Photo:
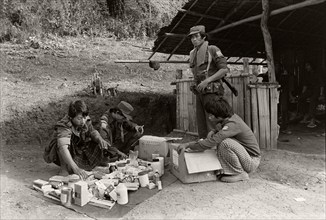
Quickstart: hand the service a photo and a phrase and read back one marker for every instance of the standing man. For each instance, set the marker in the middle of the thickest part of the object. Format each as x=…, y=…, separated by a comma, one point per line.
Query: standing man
x=208, y=66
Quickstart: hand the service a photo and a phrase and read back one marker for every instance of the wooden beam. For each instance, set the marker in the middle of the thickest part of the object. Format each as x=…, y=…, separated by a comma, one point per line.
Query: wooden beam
x=232, y=12
x=254, y=25
x=200, y=15
x=175, y=35
x=147, y=61
x=184, y=15
x=223, y=39
x=174, y=61
x=284, y=19
x=197, y=22
x=268, y=41
x=275, y=12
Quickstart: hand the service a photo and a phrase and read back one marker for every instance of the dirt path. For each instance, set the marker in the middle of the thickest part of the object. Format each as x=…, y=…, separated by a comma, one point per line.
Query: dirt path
x=270, y=193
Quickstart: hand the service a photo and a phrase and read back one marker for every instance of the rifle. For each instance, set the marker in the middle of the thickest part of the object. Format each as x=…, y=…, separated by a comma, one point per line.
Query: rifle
x=232, y=88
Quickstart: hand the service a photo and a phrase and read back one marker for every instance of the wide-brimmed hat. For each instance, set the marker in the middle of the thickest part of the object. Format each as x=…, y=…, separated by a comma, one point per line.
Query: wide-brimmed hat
x=197, y=29
x=125, y=108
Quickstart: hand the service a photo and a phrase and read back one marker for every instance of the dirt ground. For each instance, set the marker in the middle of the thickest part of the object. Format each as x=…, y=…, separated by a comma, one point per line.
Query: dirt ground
x=36, y=87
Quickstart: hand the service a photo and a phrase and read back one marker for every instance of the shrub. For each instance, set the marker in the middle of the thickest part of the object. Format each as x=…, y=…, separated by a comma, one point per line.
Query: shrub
x=138, y=19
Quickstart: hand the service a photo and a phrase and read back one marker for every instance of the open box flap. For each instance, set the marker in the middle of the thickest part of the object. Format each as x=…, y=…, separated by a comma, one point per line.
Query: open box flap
x=202, y=161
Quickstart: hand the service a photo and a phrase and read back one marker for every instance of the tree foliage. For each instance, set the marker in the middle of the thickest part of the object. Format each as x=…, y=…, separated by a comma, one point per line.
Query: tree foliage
x=21, y=19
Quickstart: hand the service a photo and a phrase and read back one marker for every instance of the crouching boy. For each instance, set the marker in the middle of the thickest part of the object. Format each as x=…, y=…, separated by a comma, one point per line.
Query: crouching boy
x=76, y=146
x=236, y=146
x=118, y=128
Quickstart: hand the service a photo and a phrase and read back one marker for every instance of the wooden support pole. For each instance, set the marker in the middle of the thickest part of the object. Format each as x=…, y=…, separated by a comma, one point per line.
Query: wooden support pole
x=268, y=41
x=245, y=65
x=175, y=61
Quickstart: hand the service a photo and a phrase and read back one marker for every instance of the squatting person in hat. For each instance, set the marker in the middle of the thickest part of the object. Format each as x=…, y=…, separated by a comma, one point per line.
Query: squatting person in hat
x=118, y=128
x=236, y=145
x=208, y=66
x=76, y=146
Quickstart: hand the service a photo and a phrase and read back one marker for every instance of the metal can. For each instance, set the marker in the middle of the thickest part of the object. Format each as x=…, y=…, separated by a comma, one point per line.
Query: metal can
x=66, y=196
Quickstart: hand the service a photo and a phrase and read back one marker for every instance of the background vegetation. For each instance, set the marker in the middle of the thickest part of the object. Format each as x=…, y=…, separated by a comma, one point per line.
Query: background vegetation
x=22, y=19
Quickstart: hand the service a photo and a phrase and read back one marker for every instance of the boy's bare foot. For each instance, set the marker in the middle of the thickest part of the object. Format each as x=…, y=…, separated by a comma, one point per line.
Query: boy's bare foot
x=235, y=178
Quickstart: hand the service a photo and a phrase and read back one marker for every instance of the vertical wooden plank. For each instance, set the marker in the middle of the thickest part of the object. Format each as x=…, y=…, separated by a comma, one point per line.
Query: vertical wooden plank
x=192, y=117
x=194, y=109
x=273, y=107
x=267, y=123
x=178, y=106
x=241, y=97
x=254, y=113
x=235, y=103
x=182, y=106
x=245, y=65
x=247, y=100
x=185, y=106
x=261, y=94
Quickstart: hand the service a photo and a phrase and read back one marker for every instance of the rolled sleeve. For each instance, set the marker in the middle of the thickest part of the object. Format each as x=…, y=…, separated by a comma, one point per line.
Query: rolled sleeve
x=63, y=141
x=63, y=137
x=105, y=117
x=218, y=58
x=229, y=130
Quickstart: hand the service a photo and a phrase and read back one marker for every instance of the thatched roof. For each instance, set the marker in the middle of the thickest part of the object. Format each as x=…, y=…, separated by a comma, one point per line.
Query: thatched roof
x=302, y=27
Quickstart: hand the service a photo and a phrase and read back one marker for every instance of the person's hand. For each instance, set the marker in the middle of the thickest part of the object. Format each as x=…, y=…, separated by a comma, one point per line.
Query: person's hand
x=104, y=144
x=202, y=86
x=210, y=134
x=80, y=172
x=182, y=147
x=122, y=155
x=103, y=125
x=140, y=129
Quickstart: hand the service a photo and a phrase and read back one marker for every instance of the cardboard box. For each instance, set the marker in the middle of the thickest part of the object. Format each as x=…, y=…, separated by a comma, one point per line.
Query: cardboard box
x=149, y=145
x=81, y=193
x=194, y=167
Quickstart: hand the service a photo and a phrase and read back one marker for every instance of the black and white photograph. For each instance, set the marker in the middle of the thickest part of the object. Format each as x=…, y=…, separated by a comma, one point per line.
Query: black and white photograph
x=162, y=109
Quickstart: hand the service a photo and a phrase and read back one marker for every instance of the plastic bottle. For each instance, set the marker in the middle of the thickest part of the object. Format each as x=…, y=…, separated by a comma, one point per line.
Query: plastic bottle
x=159, y=185
x=122, y=194
x=161, y=159
x=157, y=166
x=150, y=171
x=156, y=177
x=149, y=168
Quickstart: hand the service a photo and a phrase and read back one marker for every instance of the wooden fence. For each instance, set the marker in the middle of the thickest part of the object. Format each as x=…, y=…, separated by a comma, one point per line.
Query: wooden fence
x=256, y=104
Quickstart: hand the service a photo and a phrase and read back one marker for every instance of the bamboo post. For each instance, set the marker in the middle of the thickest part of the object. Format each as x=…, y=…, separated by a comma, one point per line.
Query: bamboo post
x=247, y=101
x=245, y=65
x=273, y=117
x=254, y=109
x=267, y=41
